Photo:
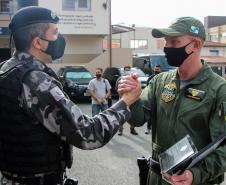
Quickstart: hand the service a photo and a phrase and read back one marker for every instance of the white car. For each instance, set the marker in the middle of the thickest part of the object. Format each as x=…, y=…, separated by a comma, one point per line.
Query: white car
x=141, y=75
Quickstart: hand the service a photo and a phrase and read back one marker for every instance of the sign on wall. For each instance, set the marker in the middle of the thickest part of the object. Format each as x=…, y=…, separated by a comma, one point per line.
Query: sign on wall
x=84, y=17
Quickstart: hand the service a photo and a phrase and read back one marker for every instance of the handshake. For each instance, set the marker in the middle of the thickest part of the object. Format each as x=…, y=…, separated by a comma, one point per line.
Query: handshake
x=129, y=88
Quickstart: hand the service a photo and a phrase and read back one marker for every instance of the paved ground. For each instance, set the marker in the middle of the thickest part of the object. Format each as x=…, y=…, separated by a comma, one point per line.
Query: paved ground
x=115, y=163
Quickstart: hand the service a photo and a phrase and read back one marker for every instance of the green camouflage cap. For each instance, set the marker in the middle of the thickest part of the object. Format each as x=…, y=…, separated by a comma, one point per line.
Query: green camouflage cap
x=182, y=26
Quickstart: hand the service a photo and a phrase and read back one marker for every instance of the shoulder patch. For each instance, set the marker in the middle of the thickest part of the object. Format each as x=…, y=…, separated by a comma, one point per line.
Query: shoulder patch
x=57, y=93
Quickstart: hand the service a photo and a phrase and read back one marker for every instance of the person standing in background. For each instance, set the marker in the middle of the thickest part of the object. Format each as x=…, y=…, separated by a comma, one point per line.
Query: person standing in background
x=100, y=90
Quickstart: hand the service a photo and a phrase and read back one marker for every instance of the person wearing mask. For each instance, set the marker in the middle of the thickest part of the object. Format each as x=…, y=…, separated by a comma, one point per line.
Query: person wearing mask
x=157, y=70
x=189, y=100
x=100, y=90
x=39, y=123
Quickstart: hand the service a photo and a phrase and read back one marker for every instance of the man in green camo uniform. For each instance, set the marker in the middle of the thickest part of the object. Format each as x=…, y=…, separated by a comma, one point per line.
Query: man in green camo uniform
x=190, y=100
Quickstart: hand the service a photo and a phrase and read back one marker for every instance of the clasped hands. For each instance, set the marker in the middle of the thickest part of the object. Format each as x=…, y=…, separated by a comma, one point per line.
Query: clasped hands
x=129, y=89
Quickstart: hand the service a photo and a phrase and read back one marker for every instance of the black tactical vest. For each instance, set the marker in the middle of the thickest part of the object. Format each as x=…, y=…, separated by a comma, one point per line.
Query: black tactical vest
x=26, y=146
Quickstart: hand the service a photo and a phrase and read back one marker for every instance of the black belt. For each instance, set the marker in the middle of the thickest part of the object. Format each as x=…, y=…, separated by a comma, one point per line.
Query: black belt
x=45, y=179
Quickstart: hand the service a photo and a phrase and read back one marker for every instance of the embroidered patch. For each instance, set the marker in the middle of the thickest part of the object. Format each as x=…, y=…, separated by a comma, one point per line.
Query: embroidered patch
x=194, y=30
x=53, y=15
x=57, y=93
x=195, y=94
x=169, y=92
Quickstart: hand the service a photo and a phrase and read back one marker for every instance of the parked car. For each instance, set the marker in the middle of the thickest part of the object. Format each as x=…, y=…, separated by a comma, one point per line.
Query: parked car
x=113, y=73
x=160, y=59
x=143, y=62
x=75, y=80
x=148, y=62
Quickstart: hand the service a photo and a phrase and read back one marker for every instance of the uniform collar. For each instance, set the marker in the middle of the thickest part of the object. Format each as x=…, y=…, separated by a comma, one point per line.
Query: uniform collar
x=22, y=56
x=202, y=75
x=28, y=58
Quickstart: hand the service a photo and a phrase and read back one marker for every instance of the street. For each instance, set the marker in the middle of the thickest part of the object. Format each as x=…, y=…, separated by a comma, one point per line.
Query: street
x=115, y=163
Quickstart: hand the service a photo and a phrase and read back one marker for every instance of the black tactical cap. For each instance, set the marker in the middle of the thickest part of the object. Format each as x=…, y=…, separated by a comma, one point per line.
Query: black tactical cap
x=32, y=15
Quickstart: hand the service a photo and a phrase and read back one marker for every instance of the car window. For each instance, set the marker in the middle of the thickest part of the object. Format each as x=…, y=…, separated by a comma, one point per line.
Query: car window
x=136, y=70
x=160, y=60
x=72, y=75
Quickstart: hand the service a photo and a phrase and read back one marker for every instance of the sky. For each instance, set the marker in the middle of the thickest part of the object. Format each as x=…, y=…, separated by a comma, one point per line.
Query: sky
x=160, y=13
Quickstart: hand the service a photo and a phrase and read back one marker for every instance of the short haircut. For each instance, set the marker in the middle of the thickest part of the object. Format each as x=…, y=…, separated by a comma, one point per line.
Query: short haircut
x=158, y=65
x=23, y=36
x=100, y=69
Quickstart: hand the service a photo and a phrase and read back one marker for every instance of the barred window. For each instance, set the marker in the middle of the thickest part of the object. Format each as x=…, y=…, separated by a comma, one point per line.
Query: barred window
x=82, y=4
x=5, y=6
x=139, y=44
x=76, y=5
x=68, y=5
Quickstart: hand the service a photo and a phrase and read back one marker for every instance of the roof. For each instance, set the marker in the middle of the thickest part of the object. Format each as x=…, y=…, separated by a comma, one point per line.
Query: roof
x=214, y=44
x=117, y=28
x=214, y=59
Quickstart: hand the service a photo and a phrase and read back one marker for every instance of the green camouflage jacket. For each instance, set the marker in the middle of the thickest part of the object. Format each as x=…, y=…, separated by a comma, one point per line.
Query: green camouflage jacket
x=197, y=109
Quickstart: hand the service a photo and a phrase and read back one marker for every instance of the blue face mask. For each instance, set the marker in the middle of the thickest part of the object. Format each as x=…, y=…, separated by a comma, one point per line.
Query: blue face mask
x=176, y=56
x=55, y=48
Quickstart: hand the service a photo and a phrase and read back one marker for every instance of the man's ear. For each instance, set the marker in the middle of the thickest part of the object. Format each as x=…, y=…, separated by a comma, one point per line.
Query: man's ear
x=36, y=43
x=198, y=44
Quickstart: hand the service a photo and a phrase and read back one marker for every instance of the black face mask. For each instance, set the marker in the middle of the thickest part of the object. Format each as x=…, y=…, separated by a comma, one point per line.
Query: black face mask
x=56, y=48
x=176, y=56
x=157, y=72
x=98, y=75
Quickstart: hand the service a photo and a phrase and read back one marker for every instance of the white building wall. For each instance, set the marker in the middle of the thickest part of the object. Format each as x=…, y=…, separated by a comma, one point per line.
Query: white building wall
x=206, y=51
x=93, y=22
x=80, y=44
x=141, y=33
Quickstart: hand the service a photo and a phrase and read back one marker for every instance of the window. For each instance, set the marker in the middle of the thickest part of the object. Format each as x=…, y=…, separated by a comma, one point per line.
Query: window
x=68, y=5
x=224, y=34
x=82, y=4
x=214, y=52
x=75, y=75
x=214, y=37
x=116, y=43
x=76, y=5
x=5, y=6
x=139, y=44
x=160, y=43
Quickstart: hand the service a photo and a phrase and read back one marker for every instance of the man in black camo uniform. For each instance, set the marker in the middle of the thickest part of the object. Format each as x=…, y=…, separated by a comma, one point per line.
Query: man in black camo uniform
x=39, y=123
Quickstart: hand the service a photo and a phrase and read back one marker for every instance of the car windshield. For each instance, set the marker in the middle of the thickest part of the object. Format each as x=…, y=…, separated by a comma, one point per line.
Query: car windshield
x=72, y=75
x=133, y=70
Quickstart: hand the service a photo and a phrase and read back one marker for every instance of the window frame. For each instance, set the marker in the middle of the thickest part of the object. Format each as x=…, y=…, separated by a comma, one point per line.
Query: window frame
x=74, y=5
x=140, y=44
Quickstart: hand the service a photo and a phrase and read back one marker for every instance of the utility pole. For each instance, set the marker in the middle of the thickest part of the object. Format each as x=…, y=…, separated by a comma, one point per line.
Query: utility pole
x=134, y=36
x=107, y=5
x=110, y=35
